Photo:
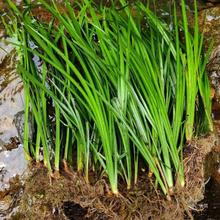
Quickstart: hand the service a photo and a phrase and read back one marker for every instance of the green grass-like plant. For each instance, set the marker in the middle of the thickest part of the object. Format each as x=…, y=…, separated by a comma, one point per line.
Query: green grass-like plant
x=121, y=85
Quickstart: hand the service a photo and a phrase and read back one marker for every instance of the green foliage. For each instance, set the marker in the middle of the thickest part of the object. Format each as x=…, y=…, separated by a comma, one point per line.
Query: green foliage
x=118, y=88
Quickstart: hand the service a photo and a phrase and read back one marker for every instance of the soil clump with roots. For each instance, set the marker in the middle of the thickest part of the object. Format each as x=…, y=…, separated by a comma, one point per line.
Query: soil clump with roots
x=70, y=197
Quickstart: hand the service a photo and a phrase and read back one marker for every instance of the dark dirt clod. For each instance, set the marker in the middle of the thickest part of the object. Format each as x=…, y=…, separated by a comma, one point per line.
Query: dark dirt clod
x=74, y=211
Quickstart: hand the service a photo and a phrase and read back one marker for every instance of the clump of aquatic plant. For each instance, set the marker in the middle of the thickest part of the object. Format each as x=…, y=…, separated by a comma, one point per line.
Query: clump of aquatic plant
x=119, y=84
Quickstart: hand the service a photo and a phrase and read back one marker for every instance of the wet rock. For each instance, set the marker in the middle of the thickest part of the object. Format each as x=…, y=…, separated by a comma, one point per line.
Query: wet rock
x=14, y=143
x=214, y=61
x=213, y=68
x=9, y=199
x=2, y=145
x=209, y=20
x=5, y=203
x=210, y=26
x=12, y=160
x=7, y=49
x=19, y=124
x=11, y=97
x=12, y=163
x=12, y=166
